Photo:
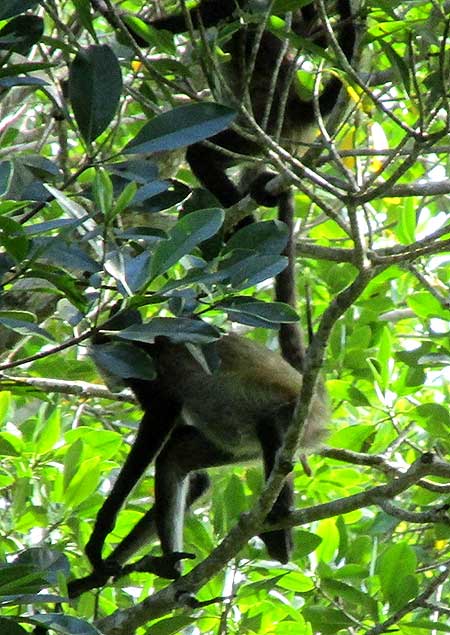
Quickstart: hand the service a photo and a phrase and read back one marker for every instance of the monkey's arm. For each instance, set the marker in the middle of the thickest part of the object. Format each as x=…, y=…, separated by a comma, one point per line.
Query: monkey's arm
x=152, y=433
x=208, y=13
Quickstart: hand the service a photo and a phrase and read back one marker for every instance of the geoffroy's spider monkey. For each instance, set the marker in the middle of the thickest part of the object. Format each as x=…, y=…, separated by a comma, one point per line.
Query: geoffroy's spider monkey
x=194, y=419
x=249, y=50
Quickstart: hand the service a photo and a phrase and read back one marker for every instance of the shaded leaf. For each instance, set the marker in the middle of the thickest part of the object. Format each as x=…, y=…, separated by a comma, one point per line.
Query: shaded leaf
x=10, y=627
x=95, y=86
x=266, y=237
x=177, y=329
x=190, y=231
x=21, y=33
x=181, y=127
x=123, y=360
x=25, y=328
x=9, y=8
x=65, y=624
x=255, y=313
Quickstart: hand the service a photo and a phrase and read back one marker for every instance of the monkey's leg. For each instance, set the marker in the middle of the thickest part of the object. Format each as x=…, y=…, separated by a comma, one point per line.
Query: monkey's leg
x=186, y=451
x=145, y=529
x=279, y=541
x=152, y=433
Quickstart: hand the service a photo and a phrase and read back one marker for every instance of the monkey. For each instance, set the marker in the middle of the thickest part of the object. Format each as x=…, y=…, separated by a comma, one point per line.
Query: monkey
x=210, y=163
x=197, y=417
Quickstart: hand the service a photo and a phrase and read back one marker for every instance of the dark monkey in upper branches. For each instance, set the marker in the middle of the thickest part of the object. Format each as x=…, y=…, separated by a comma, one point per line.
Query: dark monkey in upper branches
x=298, y=115
x=271, y=94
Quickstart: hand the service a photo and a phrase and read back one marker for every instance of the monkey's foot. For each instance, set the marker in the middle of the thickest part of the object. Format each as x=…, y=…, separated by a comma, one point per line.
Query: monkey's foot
x=167, y=566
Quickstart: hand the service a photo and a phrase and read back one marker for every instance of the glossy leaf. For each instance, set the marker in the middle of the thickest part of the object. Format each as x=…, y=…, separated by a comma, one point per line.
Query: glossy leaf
x=189, y=232
x=123, y=360
x=177, y=329
x=95, y=87
x=181, y=127
x=21, y=33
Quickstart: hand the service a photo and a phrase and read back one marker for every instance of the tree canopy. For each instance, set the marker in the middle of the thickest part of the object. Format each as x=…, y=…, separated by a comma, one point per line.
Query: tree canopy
x=98, y=209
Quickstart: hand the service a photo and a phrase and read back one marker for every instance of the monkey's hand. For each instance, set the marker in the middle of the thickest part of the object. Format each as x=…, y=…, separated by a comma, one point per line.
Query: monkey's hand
x=258, y=190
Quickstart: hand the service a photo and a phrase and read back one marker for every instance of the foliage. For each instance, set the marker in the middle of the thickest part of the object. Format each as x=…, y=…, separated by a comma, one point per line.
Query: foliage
x=91, y=191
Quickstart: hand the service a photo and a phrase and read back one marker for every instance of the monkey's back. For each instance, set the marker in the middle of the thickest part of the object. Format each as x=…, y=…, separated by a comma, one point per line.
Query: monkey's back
x=252, y=386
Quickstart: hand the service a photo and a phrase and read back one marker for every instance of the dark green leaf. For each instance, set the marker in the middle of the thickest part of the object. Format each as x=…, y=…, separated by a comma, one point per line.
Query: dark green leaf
x=245, y=269
x=10, y=627
x=177, y=329
x=21, y=33
x=5, y=175
x=57, y=251
x=255, y=313
x=19, y=578
x=64, y=624
x=10, y=8
x=95, y=86
x=181, y=127
x=13, y=238
x=9, y=82
x=190, y=231
x=48, y=561
x=25, y=328
x=326, y=620
x=131, y=273
x=269, y=237
x=124, y=360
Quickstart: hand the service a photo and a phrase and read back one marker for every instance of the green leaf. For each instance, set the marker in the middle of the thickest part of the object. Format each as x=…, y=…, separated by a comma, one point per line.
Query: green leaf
x=177, y=329
x=190, y=231
x=13, y=239
x=426, y=305
x=25, y=328
x=95, y=86
x=326, y=620
x=245, y=310
x=102, y=190
x=47, y=432
x=305, y=542
x=84, y=483
x=9, y=8
x=396, y=568
x=72, y=459
x=64, y=624
x=266, y=237
x=123, y=360
x=10, y=627
x=171, y=625
x=407, y=219
x=397, y=62
x=181, y=127
x=21, y=33
x=341, y=590
x=296, y=581
x=235, y=500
